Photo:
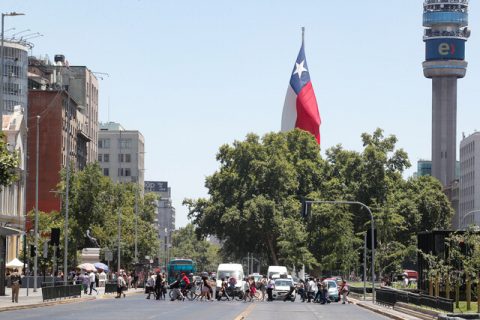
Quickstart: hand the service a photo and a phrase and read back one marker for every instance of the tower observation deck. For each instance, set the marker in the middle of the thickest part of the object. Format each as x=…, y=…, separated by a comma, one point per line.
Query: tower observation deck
x=445, y=34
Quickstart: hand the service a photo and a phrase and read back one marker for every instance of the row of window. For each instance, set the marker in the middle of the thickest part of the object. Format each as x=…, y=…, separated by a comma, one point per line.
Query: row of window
x=122, y=172
x=468, y=148
x=122, y=157
x=123, y=143
x=468, y=163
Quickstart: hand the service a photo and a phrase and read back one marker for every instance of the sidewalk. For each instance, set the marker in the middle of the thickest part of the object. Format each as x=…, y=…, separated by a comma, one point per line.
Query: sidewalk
x=383, y=310
x=35, y=300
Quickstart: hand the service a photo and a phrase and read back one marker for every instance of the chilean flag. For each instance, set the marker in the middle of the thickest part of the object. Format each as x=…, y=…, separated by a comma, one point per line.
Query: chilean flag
x=301, y=109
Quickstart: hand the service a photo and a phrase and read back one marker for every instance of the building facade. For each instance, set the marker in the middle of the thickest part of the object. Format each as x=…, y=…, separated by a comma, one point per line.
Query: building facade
x=15, y=79
x=60, y=138
x=82, y=85
x=469, y=207
x=121, y=153
x=165, y=209
x=12, y=197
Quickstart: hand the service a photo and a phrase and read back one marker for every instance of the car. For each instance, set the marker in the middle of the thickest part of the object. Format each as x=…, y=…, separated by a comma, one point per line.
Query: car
x=282, y=287
x=333, y=294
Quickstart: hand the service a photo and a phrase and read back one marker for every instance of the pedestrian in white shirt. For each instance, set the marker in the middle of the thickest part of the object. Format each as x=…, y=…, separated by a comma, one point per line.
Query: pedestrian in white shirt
x=91, y=275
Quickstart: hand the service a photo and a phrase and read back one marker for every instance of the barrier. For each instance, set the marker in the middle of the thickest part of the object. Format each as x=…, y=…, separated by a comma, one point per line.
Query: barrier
x=54, y=293
x=391, y=296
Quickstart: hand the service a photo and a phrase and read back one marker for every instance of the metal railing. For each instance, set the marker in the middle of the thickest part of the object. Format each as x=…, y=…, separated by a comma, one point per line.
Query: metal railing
x=391, y=296
x=54, y=293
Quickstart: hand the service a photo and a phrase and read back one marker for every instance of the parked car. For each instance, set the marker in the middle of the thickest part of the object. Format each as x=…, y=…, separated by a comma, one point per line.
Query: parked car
x=333, y=293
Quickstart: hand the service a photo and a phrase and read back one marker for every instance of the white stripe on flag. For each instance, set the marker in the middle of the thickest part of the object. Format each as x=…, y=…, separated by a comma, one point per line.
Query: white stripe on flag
x=289, y=115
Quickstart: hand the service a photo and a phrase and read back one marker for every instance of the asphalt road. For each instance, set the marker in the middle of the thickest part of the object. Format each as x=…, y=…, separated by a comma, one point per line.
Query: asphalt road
x=137, y=307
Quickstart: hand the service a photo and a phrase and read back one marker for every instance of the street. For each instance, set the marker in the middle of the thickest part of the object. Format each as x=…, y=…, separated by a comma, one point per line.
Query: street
x=137, y=307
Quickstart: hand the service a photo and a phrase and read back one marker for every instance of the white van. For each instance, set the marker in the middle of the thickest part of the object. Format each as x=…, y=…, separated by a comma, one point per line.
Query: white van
x=228, y=270
x=277, y=272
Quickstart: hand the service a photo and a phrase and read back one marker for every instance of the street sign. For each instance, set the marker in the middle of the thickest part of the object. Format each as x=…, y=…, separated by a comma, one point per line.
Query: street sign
x=108, y=255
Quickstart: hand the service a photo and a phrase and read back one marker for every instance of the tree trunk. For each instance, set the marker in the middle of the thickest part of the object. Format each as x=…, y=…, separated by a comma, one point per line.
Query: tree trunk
x=478, y=292
x=272, y=250
x=468, y=292
x=447, y=286
x=457, y=293
x=430, y=286
x=437, y=285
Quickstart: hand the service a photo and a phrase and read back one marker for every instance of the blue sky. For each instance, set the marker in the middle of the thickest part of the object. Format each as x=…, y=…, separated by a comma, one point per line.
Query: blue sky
x=193, y=75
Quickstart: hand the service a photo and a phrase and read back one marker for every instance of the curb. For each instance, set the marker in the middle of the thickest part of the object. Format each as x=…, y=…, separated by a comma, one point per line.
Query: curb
x=45, y=304
x=376, y=310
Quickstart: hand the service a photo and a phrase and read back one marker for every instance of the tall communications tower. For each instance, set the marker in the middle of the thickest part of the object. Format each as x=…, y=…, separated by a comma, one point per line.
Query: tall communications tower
x=446, y=32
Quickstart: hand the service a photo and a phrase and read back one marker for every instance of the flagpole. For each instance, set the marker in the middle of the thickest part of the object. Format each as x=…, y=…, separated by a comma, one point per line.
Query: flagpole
x=303, y=35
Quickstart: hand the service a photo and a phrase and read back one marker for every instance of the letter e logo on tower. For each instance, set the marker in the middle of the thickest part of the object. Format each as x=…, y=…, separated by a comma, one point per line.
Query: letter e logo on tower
x=443, y=48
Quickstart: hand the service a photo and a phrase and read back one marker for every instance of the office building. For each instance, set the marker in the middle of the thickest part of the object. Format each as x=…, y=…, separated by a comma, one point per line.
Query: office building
x=121, y=153
x=469, y=207
x=15, y=78
x=165, y=210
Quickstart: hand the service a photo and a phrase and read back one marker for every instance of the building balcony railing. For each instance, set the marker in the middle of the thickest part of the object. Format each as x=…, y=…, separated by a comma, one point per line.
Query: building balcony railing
x=461, y=34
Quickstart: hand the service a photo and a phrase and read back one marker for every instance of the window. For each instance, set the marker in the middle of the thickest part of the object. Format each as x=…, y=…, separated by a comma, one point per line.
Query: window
x=120, y=172
x=106, y=172
x=104, y=143
x=128, y=172
x=99, y=158
x=125, y=143
x=128, y=157
x=106, y=157
x=120, y=157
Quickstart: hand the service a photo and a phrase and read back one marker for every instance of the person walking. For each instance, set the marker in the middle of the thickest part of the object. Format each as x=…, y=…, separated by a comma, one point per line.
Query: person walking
x=85, y=282
x=16, y=281
x=92, y=279
x=158, y=286
x=270, y=287
x=344, y=291
x=121, y=284
x=311, y=288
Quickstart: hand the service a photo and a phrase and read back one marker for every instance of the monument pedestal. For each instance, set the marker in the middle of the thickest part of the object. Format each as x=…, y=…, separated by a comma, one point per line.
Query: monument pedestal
x=90, y=255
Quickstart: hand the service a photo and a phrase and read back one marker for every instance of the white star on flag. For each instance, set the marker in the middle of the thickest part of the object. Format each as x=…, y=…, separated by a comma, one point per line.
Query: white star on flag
x=299, y=69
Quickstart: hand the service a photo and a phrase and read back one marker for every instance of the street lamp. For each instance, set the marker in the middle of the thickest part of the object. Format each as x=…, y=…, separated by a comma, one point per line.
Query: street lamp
x=35, y=270
x=2, y=62
x=466, y=215
x=372, y=238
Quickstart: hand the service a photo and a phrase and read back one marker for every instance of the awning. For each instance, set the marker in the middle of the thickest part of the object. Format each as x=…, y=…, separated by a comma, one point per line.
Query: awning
x=7, y=231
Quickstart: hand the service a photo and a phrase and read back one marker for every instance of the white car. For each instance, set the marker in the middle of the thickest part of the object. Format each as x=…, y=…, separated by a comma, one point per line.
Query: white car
x=282, y=287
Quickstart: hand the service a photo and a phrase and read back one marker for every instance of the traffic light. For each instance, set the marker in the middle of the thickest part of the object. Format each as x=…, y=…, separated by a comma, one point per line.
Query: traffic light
x=55, y=236
x=33, y=251
x=306, y=208
x=369, y=238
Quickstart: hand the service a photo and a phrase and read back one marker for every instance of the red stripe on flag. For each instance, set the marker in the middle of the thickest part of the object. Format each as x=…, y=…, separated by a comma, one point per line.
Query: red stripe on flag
x=308, y=117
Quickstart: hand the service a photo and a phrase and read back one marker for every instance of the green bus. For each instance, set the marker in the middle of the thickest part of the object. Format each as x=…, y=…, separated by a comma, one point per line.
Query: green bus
x=177, y=266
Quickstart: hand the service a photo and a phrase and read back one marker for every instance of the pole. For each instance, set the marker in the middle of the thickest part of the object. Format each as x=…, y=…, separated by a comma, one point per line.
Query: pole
x=136, y=224
x=120, y=207
x=365, y=267
x=2, y=61
x=67, y=194
x=35, y=259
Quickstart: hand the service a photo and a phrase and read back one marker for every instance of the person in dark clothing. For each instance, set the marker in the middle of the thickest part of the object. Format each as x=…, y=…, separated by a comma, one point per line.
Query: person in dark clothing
x=158, y=286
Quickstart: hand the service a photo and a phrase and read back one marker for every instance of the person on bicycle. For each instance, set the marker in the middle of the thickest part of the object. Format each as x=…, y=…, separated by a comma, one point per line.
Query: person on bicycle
x=232, y=282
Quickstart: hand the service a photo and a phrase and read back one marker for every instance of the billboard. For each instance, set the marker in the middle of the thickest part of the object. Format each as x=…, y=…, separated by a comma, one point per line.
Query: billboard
x=156, y=186
x=445, y=49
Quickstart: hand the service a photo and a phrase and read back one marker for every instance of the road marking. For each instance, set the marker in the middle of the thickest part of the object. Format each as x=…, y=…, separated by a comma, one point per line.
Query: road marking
x=245, y=313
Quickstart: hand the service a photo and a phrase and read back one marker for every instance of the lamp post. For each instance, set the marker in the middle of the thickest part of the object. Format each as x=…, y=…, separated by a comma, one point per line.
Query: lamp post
x=2, y=60
x=35, y=261
x=466, y=215
x=372, y=223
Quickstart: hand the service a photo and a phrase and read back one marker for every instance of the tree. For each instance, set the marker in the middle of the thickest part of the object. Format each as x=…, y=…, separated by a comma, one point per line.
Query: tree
x=8, y=163
x=257, y=188
x=186, y=244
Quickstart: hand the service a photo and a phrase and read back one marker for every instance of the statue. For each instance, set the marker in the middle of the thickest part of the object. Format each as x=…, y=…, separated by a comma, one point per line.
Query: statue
x=90, y=241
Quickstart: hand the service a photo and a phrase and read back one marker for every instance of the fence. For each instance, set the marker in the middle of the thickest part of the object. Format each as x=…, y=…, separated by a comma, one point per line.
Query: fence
x=391, y=296
x=53, y=293
x=359, y=290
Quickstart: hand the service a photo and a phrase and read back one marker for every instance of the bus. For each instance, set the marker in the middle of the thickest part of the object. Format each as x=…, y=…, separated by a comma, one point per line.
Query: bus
x=177, y=266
